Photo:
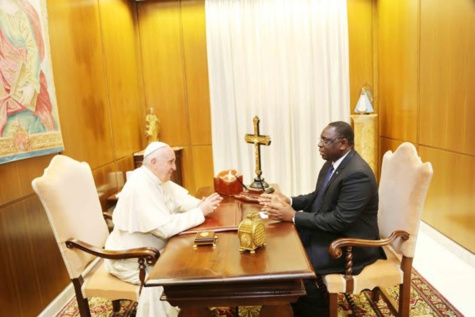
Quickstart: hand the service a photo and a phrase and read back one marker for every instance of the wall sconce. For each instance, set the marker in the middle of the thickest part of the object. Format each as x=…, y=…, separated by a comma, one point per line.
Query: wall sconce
x=364, y=102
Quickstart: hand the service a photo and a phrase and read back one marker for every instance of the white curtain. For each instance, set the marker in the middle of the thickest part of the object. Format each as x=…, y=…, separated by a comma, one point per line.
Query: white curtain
x=285, y=61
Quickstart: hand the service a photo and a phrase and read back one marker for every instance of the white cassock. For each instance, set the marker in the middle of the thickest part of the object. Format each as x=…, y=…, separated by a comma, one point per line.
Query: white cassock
x=147, y=214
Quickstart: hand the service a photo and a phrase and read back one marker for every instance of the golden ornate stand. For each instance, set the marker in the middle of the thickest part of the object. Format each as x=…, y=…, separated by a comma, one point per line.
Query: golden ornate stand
x=366, y=138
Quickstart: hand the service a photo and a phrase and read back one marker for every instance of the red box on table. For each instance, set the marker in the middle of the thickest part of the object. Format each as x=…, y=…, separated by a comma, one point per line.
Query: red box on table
x=228, y=182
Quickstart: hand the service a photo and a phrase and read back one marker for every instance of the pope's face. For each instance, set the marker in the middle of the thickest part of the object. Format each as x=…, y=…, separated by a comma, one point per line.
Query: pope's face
x=163, y=165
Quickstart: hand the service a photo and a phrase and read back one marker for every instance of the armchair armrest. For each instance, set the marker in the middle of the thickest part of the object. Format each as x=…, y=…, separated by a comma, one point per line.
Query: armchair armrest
x=151, y=255
x=335, y=248
x=148, y=254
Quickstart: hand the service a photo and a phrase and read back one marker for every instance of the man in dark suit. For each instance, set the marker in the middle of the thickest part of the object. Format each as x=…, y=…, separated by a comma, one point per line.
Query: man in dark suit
x=344, y=204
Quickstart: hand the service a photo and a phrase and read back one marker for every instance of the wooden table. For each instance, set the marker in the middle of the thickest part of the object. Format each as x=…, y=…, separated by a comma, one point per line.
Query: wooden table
x=208, y=276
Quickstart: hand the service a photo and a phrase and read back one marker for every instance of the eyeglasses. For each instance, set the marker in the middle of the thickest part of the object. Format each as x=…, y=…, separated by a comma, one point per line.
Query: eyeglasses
x=327, y=141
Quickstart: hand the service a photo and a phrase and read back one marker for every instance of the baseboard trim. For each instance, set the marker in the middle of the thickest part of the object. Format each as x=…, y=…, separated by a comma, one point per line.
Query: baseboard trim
x=59, y=302
x=456, y=249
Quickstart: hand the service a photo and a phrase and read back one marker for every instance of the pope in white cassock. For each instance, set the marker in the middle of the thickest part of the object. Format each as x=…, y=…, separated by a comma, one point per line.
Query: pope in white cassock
x=150, y=210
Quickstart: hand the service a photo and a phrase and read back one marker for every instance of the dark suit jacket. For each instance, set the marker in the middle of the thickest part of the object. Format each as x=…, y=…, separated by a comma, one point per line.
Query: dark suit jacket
x=349, y=209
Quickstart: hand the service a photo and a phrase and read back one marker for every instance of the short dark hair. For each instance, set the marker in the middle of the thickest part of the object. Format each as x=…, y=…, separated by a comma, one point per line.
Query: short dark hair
x=344, y=130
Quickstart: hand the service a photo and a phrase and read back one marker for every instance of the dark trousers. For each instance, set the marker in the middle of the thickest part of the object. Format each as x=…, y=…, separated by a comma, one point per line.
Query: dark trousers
x=314, y=304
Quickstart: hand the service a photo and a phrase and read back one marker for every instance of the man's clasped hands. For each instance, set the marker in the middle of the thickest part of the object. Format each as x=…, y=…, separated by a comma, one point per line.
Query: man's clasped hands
x=276, y=206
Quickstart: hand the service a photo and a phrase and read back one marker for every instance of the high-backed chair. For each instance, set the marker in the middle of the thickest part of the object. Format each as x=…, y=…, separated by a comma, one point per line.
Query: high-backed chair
x=69, y=197
x=402, y=191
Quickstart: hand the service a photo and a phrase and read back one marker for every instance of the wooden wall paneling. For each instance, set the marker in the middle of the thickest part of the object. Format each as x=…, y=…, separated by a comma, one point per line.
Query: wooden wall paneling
x=10, y=299
x=84, y=83
x=196, y=70
x=31, y=268
x=127, y=107
x=361, y=45
x=188, y=169
x=448, y=75
x=446, y=112
x=398, y=68
x=45, y=254
x=108, y=180
x=79, y=75
x=17, y=176
x=163, y=68
x=203, y=167
x=126, y=164
x=387, y=145
x=450, y=200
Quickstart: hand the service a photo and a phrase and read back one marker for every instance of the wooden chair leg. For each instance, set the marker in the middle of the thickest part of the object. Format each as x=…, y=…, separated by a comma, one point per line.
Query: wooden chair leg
x=353, y=307
x=333, y=304
x=375, y=294
x=404, y=299
x=83, y=306
x=116, y=305
x=405, y=288
x=373, y=297
x=83, y=303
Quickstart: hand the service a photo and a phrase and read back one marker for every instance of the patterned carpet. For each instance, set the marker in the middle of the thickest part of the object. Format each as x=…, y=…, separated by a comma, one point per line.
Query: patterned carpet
x=425, y=301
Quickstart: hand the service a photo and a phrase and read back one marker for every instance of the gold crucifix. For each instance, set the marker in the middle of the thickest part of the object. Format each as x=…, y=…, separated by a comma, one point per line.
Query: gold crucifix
x=258, y=140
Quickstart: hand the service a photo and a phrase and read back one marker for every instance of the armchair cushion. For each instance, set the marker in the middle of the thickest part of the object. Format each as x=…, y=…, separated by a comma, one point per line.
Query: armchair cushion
x=100, y=283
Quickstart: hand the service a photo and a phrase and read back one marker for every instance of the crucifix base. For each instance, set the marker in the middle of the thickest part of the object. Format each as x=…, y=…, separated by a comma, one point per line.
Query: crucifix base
x=259, y=183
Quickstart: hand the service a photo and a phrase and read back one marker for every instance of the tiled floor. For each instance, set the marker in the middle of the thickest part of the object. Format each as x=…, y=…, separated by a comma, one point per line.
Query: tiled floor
x=448, y=267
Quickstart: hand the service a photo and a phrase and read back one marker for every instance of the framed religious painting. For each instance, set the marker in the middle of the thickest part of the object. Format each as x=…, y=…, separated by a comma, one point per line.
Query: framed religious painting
x=29, y=123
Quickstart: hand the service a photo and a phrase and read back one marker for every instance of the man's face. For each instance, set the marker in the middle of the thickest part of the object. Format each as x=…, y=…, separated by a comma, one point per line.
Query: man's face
x=163, y=165
x=330, y=144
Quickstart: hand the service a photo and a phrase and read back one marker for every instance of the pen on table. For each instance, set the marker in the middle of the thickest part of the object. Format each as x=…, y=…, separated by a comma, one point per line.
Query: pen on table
x=241, y=182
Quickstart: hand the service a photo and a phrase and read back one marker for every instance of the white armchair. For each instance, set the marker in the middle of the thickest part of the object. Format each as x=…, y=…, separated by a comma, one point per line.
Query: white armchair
x=68, y=195
x=402, y=191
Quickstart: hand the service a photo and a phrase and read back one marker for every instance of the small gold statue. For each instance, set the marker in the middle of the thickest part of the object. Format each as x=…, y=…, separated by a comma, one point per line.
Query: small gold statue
x=251, y=233
x=152, y=126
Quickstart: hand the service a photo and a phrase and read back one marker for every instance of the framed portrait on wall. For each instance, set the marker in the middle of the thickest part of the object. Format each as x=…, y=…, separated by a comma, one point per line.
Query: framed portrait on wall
x=29, y=123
